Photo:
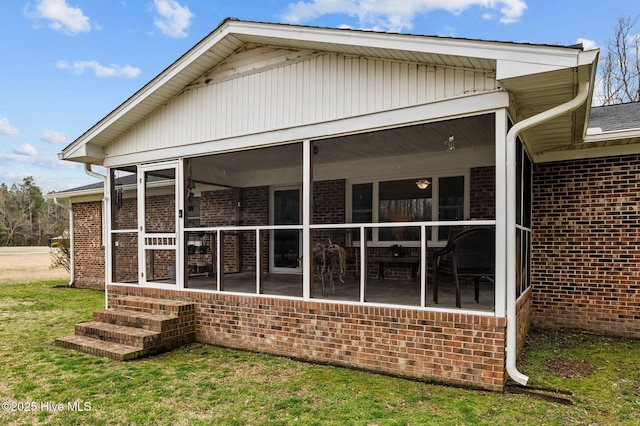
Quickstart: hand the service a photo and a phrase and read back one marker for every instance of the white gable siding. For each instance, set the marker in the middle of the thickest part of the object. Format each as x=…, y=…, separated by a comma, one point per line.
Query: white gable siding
x=263, y=90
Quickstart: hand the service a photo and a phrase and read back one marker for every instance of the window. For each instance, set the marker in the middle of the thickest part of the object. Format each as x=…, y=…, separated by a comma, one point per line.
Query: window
x=403, y=201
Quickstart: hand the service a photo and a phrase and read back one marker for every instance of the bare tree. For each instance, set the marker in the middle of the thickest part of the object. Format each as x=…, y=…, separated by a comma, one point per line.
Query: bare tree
x=15, y=217
x=620, y=65
x=26, y=218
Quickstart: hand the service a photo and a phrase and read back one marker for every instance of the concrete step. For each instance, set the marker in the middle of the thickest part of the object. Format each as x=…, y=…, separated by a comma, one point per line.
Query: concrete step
x=151, y=305
x=137, y=319
x=101, y=348
x=128, y=336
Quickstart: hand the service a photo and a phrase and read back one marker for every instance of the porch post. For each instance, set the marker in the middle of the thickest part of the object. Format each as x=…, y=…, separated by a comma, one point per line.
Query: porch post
x=501, y=214
x=307, y=194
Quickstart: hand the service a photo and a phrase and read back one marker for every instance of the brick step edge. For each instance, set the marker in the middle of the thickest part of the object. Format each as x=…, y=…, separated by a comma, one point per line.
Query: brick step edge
x=129, y=336
x=101, y=348
x=151, y=305
x=137, y=319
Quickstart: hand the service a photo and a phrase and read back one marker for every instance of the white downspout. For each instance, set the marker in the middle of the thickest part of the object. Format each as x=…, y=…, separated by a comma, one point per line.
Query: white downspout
x=71, y=241
x=105, y=200
x=581, y=97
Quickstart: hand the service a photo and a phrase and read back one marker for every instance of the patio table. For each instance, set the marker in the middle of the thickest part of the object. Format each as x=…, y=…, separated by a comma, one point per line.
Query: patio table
x=414, y=261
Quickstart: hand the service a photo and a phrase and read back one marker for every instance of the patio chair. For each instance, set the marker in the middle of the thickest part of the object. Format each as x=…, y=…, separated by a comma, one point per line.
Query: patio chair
x=470, y=253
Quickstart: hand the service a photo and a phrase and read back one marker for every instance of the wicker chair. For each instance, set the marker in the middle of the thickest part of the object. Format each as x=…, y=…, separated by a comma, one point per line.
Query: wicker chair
x=470, y=253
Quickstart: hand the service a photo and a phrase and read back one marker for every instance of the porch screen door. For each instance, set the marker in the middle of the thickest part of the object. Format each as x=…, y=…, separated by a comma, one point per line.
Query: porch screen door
x=159, y=212
x=286, y=243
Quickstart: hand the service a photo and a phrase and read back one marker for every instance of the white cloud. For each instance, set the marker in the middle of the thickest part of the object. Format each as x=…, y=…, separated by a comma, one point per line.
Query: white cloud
x=54, y=137
x=100, y=70
x=511, y=11
x=27, y=150
x=397, y=16
x=27, y=154
x=62, y=17
x=6, y=129
x=587, y=44
x=174, y=18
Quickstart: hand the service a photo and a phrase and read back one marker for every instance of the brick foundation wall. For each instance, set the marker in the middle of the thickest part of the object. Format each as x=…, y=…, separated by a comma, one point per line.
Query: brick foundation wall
x=458, y=349
x=586, y=233
x=88, y=251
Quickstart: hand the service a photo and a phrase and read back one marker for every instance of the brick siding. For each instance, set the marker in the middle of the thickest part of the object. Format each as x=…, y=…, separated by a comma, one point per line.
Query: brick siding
x=482, y=193
x=586, y=234
x=523, y=318
x=88, y=251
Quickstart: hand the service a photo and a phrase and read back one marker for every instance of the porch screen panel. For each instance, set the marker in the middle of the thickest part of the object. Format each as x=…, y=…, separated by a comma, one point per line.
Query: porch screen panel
x=362, y=207
x=161, y=265
x=124, y=199
x=159, y=205
x=527, y=190
x=523, y=219
x=123, y=224
x=124, y=257
x=201, y=259
x=451, y=202
x=286, y=211
x=403, y=201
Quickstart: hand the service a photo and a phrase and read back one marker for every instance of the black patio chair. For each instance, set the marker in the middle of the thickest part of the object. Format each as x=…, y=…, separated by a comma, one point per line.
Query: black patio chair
x=470, y=253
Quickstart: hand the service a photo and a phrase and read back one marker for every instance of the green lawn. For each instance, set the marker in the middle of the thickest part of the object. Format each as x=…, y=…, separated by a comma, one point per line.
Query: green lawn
x=202, y=384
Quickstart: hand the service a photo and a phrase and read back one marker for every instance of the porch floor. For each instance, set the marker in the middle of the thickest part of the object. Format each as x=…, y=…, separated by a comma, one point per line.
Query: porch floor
x=395, y=292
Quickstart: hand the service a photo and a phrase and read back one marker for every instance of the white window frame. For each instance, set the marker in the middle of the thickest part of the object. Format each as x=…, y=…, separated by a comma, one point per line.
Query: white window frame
x=434, y=177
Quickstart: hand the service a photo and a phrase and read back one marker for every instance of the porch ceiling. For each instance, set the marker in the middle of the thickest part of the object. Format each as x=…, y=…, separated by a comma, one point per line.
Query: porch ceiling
x=469, y=132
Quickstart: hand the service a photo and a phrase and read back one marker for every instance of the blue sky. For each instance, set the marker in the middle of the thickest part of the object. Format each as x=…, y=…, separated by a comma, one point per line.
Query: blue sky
x=68, y=63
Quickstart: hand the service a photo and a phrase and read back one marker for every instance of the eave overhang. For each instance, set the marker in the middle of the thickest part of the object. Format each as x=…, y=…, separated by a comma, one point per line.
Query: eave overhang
x=532, y=94
x=77, y=195
x=603, y=144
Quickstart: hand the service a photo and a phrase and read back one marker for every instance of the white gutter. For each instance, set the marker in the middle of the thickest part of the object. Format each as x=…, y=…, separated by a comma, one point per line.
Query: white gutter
x=105, y=201
x=71, y=241
x=581, y=97
x=87, y=170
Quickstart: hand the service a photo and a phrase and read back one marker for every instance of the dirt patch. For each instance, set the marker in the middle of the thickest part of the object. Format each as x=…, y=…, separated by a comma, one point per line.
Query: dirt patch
x=22, y=264
x=570, y=369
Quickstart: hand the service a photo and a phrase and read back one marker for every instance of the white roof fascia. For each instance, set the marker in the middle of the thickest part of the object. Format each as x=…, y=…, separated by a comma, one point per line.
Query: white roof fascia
x=87, y=151
x=611, y=135
x=496, y=50
x=93, y=194
x=587, y=152
x=507, y=68
x=512, y=69
x=163, y=78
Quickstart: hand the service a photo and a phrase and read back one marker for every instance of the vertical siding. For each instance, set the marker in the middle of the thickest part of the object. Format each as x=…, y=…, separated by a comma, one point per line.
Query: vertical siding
x=310, y=90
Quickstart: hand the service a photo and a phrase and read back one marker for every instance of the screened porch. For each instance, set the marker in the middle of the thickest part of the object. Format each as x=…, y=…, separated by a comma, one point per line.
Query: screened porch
x=369, y=210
